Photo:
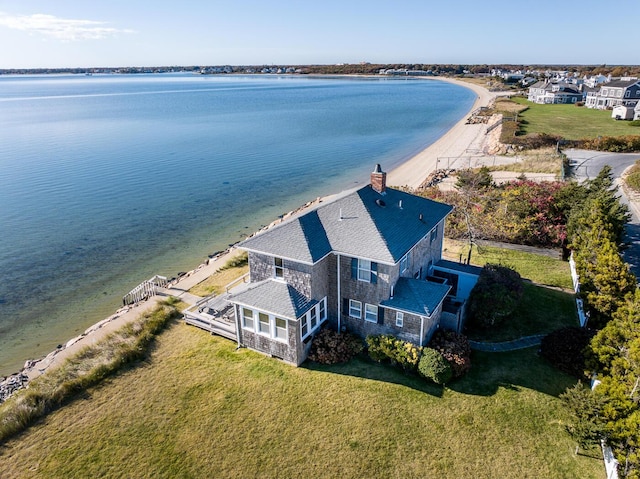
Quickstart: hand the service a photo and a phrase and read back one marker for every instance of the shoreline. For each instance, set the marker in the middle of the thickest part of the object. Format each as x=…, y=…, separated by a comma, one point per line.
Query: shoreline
x=411, y=173
x=453, y=144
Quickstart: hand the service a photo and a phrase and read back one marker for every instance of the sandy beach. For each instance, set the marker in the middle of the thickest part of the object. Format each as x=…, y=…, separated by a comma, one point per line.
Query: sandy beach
x=458, y=142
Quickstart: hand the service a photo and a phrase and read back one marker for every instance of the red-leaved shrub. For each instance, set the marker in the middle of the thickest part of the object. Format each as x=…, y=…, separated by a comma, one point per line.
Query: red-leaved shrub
x=331, y=347
x=454, y=348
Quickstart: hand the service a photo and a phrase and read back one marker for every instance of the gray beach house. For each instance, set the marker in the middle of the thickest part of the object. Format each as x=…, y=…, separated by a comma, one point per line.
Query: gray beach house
x=368, y=262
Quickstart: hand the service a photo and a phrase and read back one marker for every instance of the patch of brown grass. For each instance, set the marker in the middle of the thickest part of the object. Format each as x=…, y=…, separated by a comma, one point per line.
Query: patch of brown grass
x=544, y=160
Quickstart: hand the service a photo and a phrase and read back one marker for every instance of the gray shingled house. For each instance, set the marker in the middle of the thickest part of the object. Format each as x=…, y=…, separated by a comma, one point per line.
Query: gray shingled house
x=363, y=262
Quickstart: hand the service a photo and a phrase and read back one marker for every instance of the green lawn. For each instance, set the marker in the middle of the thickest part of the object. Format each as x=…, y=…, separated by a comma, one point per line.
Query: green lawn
x=571, y=122
x=198, y=408
x=537, y=268
x=541, y=310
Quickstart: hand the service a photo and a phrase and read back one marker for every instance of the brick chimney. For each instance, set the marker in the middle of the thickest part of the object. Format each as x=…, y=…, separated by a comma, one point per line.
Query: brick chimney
x=379, y=180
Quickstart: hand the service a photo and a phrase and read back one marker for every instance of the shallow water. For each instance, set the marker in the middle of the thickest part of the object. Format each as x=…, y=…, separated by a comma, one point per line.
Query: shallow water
x=109, y=179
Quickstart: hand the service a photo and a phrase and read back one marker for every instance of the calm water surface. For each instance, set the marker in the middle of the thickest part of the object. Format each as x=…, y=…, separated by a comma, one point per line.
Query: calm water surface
x=108, y=180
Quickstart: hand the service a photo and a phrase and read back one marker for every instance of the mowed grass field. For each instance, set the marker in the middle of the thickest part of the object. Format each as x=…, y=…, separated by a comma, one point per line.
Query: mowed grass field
x=199, y=408
x=571, y=122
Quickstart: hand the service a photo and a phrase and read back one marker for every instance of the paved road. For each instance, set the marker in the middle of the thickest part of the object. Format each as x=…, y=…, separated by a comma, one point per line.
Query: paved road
x=586, y=164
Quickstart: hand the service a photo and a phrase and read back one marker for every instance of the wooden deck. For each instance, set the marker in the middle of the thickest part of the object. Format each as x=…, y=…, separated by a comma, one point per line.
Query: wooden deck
x=213, y=314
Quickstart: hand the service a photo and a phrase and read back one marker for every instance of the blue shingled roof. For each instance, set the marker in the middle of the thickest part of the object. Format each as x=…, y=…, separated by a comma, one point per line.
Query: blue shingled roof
x=417, y=296
x=276, y=297
x=364, y=224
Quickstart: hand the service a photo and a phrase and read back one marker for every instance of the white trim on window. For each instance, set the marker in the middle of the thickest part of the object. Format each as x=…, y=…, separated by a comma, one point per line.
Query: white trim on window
x=311, y=321
x=399, y=319
x=280, y=329
x=364, y=270
x=404, y=263
x=265, y=324
x=434, y=234
x=355, y=309
x=247, y=319
x=278, y=267
x=370, y=313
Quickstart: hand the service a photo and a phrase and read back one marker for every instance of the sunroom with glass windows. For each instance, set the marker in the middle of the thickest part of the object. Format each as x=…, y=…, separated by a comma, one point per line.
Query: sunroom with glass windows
x=276, y=319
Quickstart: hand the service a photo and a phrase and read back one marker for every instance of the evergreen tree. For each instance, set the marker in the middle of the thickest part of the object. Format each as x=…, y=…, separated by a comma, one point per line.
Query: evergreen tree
x=615, y=356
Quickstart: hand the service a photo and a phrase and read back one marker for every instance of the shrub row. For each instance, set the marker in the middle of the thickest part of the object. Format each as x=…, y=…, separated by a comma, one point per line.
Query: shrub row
x=448, y=355
x=386, y=347
x=619, y=144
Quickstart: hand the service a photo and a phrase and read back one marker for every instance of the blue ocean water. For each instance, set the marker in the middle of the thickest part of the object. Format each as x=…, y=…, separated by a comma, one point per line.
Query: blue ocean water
x=109, y=179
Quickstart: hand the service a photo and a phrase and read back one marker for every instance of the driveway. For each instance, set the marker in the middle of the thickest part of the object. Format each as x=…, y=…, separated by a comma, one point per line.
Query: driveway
x=586, y=164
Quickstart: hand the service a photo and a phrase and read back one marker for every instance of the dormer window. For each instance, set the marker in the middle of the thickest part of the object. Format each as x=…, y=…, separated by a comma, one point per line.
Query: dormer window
x=278, y=267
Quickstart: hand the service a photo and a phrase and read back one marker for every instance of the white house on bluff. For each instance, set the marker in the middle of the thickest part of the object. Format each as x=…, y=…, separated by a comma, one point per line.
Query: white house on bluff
x=369, y=262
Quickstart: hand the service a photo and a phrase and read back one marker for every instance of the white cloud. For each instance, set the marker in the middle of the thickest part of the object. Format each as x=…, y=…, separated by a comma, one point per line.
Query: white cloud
x=61, y=28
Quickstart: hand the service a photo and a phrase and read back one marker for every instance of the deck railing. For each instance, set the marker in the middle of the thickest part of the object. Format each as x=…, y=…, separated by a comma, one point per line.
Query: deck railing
x=241, y=279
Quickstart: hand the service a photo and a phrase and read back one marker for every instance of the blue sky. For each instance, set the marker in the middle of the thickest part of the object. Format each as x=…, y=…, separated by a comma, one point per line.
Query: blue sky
x=81, y=33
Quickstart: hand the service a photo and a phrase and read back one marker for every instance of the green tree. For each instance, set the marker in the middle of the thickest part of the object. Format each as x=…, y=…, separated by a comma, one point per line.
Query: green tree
x=586, y=407
x=607, y=284
x=615, y=357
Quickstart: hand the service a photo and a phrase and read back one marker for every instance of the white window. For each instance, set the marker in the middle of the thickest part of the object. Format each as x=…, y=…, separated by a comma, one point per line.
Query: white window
x=266, y=324
x=312, y=320
x=247, y=318
x=404, y=263
x=371, y=313
x=399, y=318
x=434, y=234
x=281, y=328
x=278, y=267
x=364, y=270
x=355, y=309
x=263, y=323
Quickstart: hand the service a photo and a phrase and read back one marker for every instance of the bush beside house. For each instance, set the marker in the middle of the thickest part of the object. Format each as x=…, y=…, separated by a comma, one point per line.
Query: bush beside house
x=434, y=366
x=494, y=297
x=455, y=349
x=332, y=347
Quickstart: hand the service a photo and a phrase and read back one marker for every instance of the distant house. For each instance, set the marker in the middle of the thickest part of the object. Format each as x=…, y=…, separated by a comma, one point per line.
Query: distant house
x=554, y=92
x=368, y=262
x=614, y=93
